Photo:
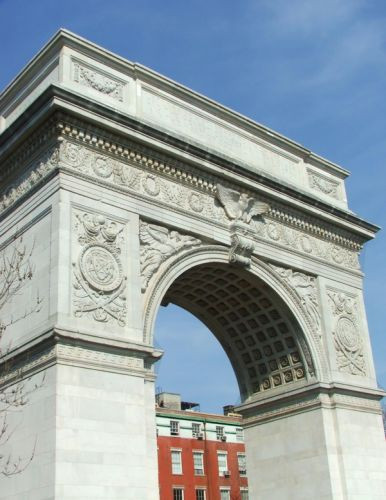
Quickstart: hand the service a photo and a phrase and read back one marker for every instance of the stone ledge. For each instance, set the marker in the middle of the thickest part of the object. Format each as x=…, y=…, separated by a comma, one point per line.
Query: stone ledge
x=67, y=348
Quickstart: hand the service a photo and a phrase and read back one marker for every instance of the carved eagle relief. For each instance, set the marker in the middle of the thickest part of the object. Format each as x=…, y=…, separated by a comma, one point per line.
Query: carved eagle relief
x=240, y=206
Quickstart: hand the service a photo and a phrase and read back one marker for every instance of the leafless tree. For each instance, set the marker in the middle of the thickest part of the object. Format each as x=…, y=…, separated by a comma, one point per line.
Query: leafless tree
x=16, y=270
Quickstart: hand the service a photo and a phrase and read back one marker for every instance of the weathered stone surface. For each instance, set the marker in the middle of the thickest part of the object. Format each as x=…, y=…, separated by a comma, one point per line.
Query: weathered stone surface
x=244, y=228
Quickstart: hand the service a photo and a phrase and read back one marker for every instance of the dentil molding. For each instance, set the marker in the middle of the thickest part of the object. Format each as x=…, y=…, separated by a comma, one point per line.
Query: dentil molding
x=133, y=168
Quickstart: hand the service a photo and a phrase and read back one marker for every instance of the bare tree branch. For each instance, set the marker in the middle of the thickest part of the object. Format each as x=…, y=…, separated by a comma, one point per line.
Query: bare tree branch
x=16, y=270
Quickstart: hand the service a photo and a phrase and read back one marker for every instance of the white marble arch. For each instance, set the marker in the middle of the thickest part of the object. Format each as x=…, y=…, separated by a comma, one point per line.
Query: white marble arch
x=101, y=157
x=211, y=254
x=302, y=418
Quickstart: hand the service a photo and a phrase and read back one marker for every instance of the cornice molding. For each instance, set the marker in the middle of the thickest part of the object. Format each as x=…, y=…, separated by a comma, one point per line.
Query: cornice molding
x=66, y=39
x=310, y=398
x=68, y=350
x=126, y=152
x=57, y=98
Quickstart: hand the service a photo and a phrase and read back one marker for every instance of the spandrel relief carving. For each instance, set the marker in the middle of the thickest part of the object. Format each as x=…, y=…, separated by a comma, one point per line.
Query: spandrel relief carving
x=157, y=245
x=305, y=288
x=347, y=338
x=99, y=286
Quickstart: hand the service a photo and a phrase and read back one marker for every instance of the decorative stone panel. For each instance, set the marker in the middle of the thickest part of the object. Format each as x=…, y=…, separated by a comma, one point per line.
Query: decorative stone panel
x=97, y=80
x=323, y=184
x=99, y=279
x=348, y=342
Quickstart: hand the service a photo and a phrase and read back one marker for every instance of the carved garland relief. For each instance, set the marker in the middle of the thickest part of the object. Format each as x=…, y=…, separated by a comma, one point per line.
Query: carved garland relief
x=37, y=171
x=323, y=184
x=97, y=80
x=99, y=285
x=201, y=201
x=347, y=338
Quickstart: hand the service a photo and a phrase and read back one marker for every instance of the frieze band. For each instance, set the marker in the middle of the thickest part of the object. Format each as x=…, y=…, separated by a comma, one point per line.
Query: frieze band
x=186, y=192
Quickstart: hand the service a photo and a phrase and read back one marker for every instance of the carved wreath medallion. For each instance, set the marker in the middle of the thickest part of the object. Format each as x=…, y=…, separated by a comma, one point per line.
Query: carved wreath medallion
x=99, y=281
x=100, y=268
x=347, y=339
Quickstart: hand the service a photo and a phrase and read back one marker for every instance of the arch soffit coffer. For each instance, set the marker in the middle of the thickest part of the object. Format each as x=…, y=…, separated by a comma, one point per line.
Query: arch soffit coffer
x=301, y=325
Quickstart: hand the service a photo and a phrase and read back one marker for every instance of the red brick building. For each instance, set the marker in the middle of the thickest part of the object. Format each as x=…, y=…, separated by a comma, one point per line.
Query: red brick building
x=200, y=456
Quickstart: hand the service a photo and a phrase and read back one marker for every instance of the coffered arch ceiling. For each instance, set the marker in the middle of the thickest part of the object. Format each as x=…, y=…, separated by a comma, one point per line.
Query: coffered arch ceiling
x=257, y=330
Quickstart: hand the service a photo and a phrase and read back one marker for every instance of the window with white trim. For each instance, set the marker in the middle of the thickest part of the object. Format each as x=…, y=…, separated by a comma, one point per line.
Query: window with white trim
x=198, y=462
x=174, y=428
x=244, y=494
x=196, y=429
x=219, y=432
x=239, y=435
x=242, y=464
x=222, y=460
x=200, y=494
x=176, y=462
x=225, y=494
x=178, y=494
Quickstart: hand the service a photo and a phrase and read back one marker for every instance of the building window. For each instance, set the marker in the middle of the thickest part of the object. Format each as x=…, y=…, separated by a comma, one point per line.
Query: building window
x=198, y=461
x=176, y=462
x=222, y=463
x=219, y=432
x=242, y=464
x=244, y=495
x=239, y=434
x=225, y=494
x=174, y=428
x=196, y=430
x=200, y=494
x=178, y=494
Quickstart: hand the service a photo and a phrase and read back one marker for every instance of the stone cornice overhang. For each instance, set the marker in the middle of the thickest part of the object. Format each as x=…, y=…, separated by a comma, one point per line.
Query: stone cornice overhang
x=66, y=39
x=57, y=100
x=102, y=353
x=311, y=397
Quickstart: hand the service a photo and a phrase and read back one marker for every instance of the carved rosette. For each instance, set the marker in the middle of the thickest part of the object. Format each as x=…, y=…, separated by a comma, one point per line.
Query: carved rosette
x=347, y=339
x=99, y=287
x=158, y=244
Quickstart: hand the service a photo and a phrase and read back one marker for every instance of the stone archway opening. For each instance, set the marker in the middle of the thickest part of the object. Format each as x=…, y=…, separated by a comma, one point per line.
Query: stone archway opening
x=194, y=373
x=257, y=330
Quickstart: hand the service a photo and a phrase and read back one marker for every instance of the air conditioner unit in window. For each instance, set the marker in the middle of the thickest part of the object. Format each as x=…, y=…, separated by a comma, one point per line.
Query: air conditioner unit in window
x=223, y=438
x=227, y=473
x=200, y=435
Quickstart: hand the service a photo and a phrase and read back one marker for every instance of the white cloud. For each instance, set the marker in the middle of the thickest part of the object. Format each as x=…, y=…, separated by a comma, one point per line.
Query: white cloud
x=328, y=42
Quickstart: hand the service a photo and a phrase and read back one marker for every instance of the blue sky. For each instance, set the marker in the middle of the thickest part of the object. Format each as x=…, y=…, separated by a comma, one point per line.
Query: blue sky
x=313, y=70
